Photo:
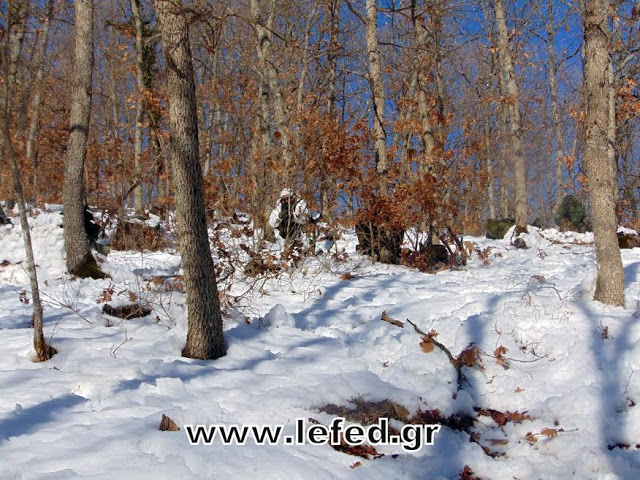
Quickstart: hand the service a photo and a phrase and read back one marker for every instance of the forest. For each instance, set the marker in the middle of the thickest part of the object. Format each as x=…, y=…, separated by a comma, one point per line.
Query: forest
x=329, y=98
x=320, y=213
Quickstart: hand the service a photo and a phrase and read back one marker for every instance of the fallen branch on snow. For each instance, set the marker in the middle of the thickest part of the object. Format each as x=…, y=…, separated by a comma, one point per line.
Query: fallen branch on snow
x=429, y=338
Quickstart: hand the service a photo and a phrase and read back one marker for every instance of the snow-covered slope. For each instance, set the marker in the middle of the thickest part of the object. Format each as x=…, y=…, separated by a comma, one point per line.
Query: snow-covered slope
x=311, y=337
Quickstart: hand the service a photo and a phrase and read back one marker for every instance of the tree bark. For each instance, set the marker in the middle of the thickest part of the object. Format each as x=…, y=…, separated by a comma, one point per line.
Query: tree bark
x=205, y=338
x=39, y=63
x=378, y=99
x=304, y=64
x=332, y=62
x=271, y=83
x=555, y=113
x=515, y=137
x=140, y=108
x=611, y=131
x=502, y=114
x=601, y=177
x=427, y=135
x=42, y=350
x=80, y=262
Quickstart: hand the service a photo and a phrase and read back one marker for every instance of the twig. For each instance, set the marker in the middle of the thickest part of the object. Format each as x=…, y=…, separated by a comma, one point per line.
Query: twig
x=398, y=323
x=115, y=348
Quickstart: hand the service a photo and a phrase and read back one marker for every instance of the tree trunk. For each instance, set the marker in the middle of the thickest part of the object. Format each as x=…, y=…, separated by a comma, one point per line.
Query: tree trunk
x=304, y=64
x=555, y=113
x=601, y=177
x=427, y=135
x=17, y=16
x=140, y=109
x=43, y=351
x=377, y=93
x=515, y=138
x=611, y=131
x=271, y=83
x=205, y=338
x=502, y=114
x=332, y=61
x=406, y=141
x=39, y=63
x=80, y=262
x=486, y=154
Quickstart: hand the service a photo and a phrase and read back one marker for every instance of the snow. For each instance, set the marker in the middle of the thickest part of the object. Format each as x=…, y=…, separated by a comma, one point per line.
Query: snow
x=308, y=337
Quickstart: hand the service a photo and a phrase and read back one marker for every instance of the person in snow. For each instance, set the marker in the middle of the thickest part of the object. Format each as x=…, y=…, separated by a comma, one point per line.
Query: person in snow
x=289, y=215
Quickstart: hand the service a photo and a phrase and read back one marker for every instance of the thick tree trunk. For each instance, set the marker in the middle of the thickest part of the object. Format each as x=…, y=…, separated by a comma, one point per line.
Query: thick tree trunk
x=80, y=262
x=601, y=178
x=378, y=99
x=611, y=131
x=515, y=139
x=205, y=338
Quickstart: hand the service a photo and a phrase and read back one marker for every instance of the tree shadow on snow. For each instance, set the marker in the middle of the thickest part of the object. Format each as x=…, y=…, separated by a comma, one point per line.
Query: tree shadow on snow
x=617, y=443
x=31, y=419
x=330, y=294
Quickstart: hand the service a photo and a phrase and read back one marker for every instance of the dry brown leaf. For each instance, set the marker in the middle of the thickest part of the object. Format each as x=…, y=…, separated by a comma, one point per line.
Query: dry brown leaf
x=517, y=417
x=356, y=465
x=549, y=432
x=467, y=474
x=168, y=425
x=531, y=438
x=499, y=354
x=427, y=344
x=469, y=357
x=347, y=276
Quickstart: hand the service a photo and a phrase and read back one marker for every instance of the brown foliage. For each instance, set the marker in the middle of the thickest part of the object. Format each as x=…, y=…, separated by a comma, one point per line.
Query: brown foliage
x=138, y=236
x=469, y=357
x=468, y=474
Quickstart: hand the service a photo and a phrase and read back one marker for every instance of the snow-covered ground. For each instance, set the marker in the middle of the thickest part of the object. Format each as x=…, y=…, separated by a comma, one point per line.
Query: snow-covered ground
x=310, y=337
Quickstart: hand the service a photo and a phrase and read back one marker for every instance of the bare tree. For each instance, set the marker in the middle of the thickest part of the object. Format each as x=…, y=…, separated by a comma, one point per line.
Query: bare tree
x=205, y=338
x=80, y=261
x=43, y=351
x=377, y=92
x=421, y=72
x=140, y=108
x=555, y=112
x=515, y=140
x=36, y=102
x=601, y=175
x=270, y=82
